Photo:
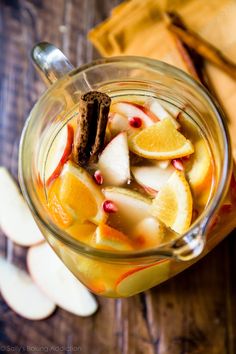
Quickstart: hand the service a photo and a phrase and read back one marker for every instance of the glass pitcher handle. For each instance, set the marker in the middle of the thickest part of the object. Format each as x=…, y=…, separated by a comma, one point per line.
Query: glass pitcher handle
x=189, y=247
x=50, y=62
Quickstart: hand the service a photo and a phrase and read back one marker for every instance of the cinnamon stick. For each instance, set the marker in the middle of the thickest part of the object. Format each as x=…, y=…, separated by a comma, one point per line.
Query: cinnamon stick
x=91, y=127
x=202, y=47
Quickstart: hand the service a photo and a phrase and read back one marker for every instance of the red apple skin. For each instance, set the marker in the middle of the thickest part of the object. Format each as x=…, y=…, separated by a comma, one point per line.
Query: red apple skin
x=145, y=110
x=134, y=270
x=152, y=192
x=65, y=156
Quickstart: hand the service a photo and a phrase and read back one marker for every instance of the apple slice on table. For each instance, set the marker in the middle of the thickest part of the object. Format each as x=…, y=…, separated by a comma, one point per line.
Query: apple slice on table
x=142, y=278
x=114, y=161
x=59, y=153
x=16, y=219
x=109, y=238
x=21, y=293
x=131, y=207
x=152, y=176
x=58, y=283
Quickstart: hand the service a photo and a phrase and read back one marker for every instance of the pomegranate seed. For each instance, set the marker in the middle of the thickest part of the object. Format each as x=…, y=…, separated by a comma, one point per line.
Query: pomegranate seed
x=135, y=122
x=109, y=207
x=177, y=163
x=98, y=177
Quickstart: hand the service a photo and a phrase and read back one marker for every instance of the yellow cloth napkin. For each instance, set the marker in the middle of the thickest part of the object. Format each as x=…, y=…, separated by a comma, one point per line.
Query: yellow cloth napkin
x=136, y=27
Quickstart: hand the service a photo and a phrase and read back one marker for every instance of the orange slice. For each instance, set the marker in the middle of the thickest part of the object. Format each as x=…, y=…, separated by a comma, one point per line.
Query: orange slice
x=173, y=204
x=82, y=232
x=76, y=195
x=201, y=172
x=199, y=169
x=161, y=141
x=57, y=211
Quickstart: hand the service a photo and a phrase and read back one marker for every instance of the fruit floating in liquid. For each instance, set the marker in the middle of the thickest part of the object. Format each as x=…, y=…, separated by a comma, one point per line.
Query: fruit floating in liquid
x=152, y=179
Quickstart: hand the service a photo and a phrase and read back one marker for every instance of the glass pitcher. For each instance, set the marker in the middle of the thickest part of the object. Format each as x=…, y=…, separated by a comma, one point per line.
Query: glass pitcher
x=125, y=273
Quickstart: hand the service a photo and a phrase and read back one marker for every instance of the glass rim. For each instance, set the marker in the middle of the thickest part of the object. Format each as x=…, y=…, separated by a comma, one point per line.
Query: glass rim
x=163, y=250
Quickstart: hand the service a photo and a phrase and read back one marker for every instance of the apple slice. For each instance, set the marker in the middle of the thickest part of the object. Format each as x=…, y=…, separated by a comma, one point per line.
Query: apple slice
x=114, y=161
x=159, y=111
x=118, y=123
x=152, y=176
x=21, y=294
x=58, y=283
x=109, y=238
x=163, y=163
x=131, y=110
x=149, y=232
x=16, y=219
x=142, y=278
x=172, y=109
x=132, y=207
x=59, y=153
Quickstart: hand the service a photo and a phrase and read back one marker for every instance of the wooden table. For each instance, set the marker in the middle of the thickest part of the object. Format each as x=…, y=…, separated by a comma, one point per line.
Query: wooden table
x=191, y=314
